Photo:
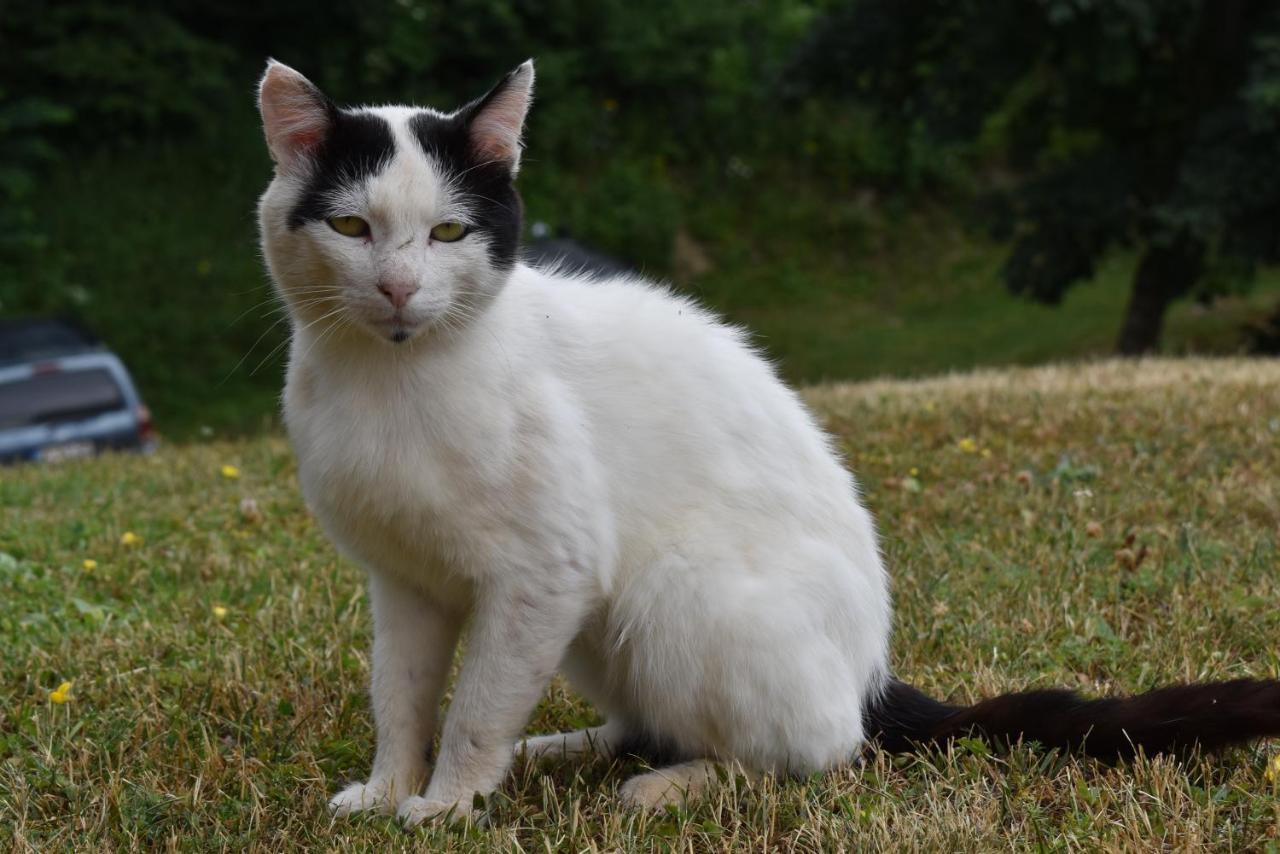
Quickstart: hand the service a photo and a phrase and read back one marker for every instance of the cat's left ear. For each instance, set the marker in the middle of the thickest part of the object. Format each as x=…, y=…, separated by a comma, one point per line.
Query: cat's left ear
x=296, y=116
x=495, y=122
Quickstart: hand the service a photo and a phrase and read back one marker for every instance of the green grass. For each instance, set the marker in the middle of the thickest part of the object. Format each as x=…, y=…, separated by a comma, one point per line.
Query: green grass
x=156, y=248
x=1110, y=527
x=867, y=294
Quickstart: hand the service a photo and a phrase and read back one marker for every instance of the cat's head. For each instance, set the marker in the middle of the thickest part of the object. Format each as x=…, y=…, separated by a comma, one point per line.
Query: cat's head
x=390, y=222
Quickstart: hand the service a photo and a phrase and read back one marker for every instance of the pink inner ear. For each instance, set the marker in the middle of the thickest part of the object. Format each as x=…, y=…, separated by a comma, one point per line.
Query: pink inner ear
x=495, y=130
x=294, y=114
x=495, y=133
x=304, y=140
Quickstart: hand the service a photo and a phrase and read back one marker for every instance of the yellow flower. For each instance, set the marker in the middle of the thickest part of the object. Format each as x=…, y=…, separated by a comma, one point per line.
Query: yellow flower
x=915, y=472
x=60, y=694
x=986, y=452
x=1273, y=769
x=230, y=472
x=219, y=612
x=129, y=538
x=968, y=445
x=89, y=564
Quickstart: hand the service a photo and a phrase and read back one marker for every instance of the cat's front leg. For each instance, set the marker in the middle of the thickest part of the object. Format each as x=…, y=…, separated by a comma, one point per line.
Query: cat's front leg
x=521, y=629
x=413, y=644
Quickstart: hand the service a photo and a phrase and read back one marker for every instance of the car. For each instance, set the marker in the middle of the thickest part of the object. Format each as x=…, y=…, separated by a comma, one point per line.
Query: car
x=63, y=395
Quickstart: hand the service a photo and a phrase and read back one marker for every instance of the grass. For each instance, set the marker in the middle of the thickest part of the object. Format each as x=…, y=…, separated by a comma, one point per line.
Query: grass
x=1109, y=527
x=837, y=283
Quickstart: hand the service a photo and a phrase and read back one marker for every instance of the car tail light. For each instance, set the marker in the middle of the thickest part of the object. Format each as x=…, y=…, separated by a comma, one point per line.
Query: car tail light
x=146, y=429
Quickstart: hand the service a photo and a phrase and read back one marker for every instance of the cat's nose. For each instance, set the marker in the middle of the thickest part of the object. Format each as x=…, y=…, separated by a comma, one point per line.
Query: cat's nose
x=397, y=291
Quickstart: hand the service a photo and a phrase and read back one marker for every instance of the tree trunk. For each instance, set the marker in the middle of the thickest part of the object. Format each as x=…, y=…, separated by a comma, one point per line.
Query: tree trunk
x=1165, y=273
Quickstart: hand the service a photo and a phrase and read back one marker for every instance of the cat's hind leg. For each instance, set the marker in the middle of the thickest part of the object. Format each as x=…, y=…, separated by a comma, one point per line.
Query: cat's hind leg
x=684, y=783
x=603, y=742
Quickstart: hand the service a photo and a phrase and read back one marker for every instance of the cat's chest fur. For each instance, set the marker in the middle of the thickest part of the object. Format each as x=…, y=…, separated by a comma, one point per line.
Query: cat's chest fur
x=402, y=473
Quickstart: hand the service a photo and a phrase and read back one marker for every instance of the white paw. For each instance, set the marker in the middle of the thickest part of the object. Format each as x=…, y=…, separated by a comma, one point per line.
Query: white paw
x=360, y=797
x=652, y=792
x=535, y=747
x=415, y=810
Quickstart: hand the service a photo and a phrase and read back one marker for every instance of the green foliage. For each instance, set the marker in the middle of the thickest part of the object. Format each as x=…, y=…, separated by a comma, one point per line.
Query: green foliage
x=131, y=156
x=125, y=71
x=1149, y=124
x=23, y=152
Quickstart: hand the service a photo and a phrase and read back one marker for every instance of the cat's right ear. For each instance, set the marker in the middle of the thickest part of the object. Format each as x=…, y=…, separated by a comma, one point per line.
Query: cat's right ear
x=296, y=116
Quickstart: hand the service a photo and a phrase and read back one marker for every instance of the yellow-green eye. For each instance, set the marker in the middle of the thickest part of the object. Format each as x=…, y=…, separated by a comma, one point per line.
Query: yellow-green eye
x=349, y=226
x=447, y=232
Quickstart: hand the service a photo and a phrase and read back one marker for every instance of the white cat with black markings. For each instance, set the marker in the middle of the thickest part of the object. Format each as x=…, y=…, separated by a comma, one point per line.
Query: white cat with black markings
x=601, y=477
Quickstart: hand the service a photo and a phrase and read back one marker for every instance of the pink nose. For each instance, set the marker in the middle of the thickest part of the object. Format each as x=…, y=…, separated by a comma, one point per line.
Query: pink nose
x=398, y=293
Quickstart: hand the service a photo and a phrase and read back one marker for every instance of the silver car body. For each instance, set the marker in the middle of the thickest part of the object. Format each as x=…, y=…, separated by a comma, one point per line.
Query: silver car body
x=44, y=416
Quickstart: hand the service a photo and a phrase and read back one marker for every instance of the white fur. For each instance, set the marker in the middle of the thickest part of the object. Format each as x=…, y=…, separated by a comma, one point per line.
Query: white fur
x=603, y=477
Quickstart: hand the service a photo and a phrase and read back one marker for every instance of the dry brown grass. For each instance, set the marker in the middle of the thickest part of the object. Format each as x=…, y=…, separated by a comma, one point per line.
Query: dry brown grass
x=1110, y=526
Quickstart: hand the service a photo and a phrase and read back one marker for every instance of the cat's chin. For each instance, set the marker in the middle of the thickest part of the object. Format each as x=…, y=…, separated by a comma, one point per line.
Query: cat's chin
x=396, y=331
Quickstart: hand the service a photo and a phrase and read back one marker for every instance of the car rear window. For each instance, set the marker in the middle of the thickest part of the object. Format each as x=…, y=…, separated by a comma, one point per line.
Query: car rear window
x=59, y=396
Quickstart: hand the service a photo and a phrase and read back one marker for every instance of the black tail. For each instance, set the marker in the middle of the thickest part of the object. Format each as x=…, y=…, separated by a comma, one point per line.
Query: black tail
x=1210, y=716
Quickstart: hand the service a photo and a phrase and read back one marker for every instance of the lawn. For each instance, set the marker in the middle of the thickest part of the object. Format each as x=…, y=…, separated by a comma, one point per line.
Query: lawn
x=1109, y=527
x=836, y=282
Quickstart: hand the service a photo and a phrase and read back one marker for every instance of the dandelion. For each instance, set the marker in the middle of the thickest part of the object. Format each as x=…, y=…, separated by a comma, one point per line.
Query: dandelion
x=60, y=694
x=129, y=538
x=1273, y=769
x=219, y=612
x=915, y=472
x=89, y=564
x=230, y=472
x=968, y=445
x=986, y=453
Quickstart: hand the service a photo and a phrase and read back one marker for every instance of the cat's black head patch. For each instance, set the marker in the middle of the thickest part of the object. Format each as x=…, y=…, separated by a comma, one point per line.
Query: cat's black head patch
x=486, y=187
x=356, y=147
x=359, y=145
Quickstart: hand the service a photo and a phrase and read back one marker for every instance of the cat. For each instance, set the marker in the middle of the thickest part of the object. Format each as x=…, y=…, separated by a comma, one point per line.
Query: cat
x=603, y=478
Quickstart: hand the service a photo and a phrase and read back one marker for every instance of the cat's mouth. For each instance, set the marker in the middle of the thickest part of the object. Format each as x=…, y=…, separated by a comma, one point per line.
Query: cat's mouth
x=397, y=329
x=400, y=330
x=402, y=325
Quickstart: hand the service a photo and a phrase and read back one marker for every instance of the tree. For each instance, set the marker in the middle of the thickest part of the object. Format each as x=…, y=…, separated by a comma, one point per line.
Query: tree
x=1152, y=124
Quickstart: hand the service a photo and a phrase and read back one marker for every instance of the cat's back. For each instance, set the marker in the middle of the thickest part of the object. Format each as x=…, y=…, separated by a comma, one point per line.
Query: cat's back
x=637, y=330
x=678, y=397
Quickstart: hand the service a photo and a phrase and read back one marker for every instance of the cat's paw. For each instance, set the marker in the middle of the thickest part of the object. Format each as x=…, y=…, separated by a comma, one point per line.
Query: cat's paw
x=534, y=748
x=415, y=810
x=374, y=795
x=651, y=792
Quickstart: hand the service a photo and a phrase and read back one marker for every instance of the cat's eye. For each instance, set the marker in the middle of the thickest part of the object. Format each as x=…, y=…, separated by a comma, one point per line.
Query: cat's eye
x=447, y=232
x=349, y=226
